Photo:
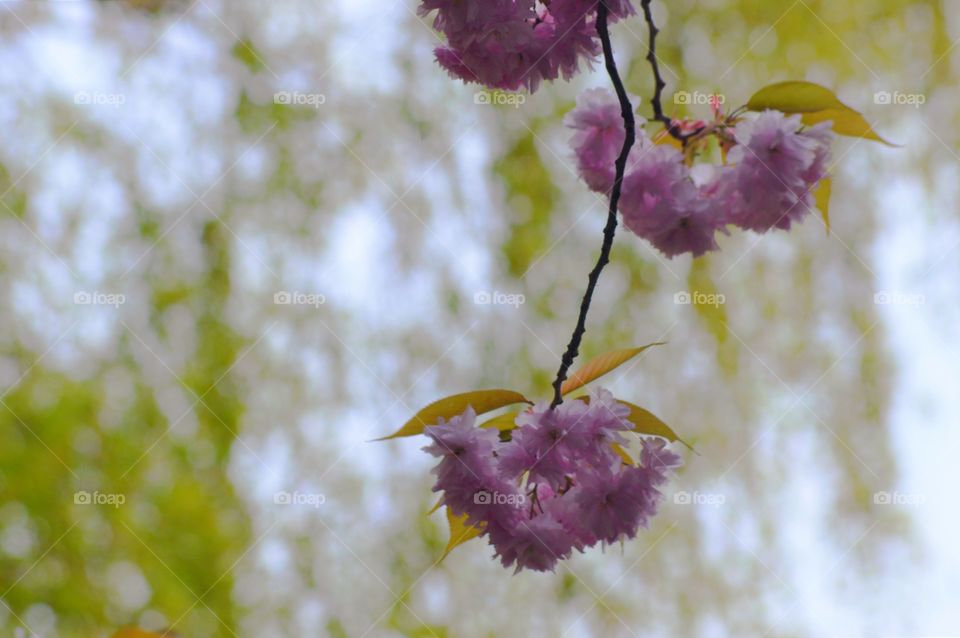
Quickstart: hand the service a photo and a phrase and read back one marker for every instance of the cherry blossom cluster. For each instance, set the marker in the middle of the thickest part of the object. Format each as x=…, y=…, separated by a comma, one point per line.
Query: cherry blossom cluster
x=558, y=485
x=513, y=44
x=772, y=169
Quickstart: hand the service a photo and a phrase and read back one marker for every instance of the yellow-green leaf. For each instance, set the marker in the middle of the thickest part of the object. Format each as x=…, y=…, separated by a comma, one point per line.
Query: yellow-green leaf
x=596, y=368
x=816, y=104
x=132, y=632
x=481, y=400
x=794, y=97
x=623, y=454
x=847, y=122
x=664, y=138
x=506, y=421
x=646, y=422
x=460, y=532
x=822, y=197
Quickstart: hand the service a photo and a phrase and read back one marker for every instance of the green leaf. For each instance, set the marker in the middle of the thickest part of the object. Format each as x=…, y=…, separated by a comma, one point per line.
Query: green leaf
x=623, y=454
x=822, y=197
x=794, y=97
x=460, y=532
x=816, y=104
x=506, y=421
x=646, y=422
x=599, y=366
x=847, y=122
x=481, y=400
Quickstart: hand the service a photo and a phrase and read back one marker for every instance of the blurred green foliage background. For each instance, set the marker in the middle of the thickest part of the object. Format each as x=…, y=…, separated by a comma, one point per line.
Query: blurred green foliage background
x=145, y=155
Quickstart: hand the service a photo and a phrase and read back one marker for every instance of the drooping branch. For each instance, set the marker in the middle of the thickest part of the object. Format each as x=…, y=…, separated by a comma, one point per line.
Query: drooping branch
x=609, y=231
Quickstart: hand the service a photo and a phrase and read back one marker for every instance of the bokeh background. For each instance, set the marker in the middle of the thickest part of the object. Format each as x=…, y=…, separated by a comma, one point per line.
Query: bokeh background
x=159, y=398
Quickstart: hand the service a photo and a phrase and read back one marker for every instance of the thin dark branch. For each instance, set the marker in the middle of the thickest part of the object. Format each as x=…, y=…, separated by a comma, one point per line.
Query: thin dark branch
x=626, y=112
x=658, y=83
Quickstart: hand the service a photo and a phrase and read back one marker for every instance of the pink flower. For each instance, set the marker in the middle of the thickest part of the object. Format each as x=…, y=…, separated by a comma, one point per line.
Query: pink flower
x=544, y=443
x=661, y=203
x=537, y=544
x=615, y=504
x=460, y=442
x=566, y=511
x=549, y=443
x=657, y=457
x=598, y=138
x=513, y=44
x=777, y=165
x=556, y=486
x=605, y=423
x=568, y=33
x=467, y=465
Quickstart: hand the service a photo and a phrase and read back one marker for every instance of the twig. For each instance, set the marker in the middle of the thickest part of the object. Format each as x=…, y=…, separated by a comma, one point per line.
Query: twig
x=658, y=83
x=626, y=112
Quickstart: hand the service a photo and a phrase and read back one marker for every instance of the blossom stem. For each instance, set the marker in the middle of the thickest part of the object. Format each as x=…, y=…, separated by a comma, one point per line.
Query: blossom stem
x=609, y=231
x=658, y=83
